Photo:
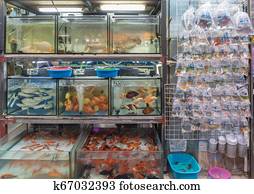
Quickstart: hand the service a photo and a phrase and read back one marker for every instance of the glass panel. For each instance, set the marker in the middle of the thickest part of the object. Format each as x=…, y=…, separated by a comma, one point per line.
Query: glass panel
x=136, y=97
x=135, y=35
x=31, y=96
x=83, y=97
x=30, y=34
x=82, y=34
x=120, y=153
x=37, y=154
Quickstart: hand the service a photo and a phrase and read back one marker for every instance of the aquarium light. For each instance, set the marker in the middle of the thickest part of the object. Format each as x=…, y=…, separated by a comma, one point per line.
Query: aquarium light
x=123, y=7
x=60, y=9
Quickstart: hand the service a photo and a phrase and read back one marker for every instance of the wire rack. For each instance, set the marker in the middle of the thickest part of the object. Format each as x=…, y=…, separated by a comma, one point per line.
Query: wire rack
x=174, y=127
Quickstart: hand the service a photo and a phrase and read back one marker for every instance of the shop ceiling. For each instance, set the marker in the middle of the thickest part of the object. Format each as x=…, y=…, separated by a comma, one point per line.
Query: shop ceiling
x=89, y=6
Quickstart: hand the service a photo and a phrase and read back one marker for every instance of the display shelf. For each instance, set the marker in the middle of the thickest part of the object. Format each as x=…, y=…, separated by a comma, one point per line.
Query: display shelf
x=85, y=56
x=87, y=119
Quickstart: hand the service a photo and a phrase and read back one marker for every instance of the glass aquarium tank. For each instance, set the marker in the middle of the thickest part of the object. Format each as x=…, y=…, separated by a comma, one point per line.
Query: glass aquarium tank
x=30, y=34
x=136, y=96
x=83, y=97
x=41, y=153
x=31, y=96
x=135, y=34
x=121, y=153
x=85, y=34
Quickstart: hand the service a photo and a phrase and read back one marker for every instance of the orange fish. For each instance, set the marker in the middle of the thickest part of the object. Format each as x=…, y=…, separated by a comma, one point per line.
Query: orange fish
x=55, y=174
x=8, y=176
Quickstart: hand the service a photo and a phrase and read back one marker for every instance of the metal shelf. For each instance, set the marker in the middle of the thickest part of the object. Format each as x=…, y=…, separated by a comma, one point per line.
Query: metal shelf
x=85, y=56
x=87, y=119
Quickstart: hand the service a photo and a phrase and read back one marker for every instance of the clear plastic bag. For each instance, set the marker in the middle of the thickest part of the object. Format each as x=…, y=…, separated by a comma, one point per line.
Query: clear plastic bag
x=204, y=17
x=242, y=22
x=198, y=36
x=188, y=19
x=222, y=15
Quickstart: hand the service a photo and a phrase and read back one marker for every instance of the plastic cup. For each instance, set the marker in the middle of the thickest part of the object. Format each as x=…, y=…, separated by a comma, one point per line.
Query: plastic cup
x=231, y=146
x=242, y=146
x=222, y=144
x=213, y=145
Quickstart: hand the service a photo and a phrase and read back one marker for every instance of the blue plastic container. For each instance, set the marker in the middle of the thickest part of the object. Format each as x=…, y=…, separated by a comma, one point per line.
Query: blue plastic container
x=183, y=166
x=107, y=73
x=60, y=72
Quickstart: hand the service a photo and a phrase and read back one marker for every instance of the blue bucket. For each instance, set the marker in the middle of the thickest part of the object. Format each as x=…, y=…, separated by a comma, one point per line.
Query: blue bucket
x=183, y=166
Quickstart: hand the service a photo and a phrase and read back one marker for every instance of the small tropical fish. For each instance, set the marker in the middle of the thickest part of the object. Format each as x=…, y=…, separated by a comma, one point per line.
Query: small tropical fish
x=124, y=176
x=148, y=110
x=131, y=94
x=55, y=174
x=8, y=176
x=106, y=172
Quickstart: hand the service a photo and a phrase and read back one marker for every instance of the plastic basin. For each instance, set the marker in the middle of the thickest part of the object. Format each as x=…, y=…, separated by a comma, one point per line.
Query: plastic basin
x=60, y=72
x=183, y=166
x=218, y=173
x=107, y=72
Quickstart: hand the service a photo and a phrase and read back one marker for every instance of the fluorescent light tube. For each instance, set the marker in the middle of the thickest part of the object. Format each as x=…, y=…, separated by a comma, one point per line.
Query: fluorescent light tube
x=123, y=7
x=60, y=9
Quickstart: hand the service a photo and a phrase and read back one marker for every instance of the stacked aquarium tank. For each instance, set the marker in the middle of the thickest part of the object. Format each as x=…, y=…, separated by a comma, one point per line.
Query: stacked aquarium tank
x=135, y=34
x=83, y=97
x=120, y=153
x=31, y=96
x=83, y=34
x=41, y=153
x=30, y=34
x=136, y=96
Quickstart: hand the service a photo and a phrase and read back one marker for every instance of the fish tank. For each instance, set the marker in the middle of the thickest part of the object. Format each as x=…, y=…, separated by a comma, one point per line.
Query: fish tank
x=31, y=96
x=30, y=34
x=120, y=153
x=87, y=96
x=136, y=96
x=84, y=34
x=135, y=34
x=39, y=153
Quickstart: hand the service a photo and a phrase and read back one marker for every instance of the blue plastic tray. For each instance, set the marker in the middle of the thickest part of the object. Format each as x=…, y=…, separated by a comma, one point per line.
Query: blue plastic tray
x=59, y=73
x=183, y=166
x=105, y=73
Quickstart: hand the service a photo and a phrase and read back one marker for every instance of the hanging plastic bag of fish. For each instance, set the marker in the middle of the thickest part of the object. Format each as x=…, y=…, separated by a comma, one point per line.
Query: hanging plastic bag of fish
x=186, y=125
x=245, y=109
x=198, y=38
x=204, y=17
x=243, y=92
x=188, y=19
x=222, y=14
x=244, y=124
x=243, y=24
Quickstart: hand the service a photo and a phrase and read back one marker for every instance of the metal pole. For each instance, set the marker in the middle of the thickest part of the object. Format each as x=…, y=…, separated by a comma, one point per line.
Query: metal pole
x=2, y=59
x=3, y=126
x=2, y=23
x=164, y=55
x=251, y=163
